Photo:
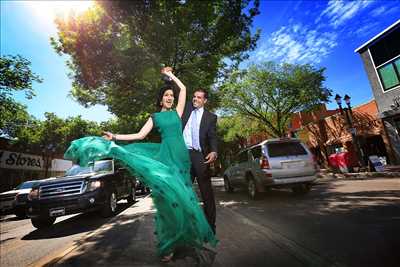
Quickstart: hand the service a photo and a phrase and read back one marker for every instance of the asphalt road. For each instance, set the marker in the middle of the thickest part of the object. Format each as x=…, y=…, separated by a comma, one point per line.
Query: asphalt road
x=23, y=245
x=349, y=222
x=339, y=223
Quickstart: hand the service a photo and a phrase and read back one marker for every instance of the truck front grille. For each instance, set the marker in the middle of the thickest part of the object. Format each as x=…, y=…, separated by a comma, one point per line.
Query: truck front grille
x=61, y=189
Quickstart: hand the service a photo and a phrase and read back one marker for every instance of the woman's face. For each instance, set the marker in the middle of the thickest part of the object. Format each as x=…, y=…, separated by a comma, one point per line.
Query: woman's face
x=168, y=99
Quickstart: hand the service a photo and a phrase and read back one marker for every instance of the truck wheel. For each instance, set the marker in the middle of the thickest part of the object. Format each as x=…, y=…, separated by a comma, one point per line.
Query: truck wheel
x=301, y=189
x=252, y=189
x=227, y=185
x=132, y=196
x=110, y=205
x=42, y=222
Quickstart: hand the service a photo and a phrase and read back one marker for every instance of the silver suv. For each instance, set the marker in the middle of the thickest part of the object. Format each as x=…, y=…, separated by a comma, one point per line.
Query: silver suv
x=272, y=163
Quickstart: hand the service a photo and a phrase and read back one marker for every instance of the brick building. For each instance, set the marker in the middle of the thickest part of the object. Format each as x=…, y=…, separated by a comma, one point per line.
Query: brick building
x=324, y=131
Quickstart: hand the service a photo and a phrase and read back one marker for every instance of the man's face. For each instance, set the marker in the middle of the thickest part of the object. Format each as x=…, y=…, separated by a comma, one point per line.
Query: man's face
x=199, y=100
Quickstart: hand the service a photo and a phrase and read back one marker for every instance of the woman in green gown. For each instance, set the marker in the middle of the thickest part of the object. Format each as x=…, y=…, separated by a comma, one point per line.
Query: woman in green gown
x=164, y=167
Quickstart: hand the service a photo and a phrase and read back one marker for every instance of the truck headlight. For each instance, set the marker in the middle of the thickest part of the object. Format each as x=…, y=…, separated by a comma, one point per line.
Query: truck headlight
x=34, y=194
x=93, y=185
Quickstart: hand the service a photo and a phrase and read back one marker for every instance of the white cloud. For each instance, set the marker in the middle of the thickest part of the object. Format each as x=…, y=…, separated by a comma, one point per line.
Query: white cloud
x=338, y=12
x=314, y=39
x=378, y=11
x=298, y=44
x=366, y=29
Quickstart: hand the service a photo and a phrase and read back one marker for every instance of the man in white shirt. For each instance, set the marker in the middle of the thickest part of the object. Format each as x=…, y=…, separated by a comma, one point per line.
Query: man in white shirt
x=199, y=133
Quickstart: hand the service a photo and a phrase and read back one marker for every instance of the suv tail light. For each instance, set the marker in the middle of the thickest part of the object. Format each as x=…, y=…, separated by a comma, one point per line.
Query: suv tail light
x=264, y=164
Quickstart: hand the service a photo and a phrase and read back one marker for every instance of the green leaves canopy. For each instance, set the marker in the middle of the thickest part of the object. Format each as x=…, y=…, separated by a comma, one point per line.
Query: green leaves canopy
x=271, y=93
x=16, y=75
x=116, y=47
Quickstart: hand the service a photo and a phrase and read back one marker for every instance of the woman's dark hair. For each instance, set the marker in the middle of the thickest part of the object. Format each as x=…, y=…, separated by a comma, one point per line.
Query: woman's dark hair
x=167, y=86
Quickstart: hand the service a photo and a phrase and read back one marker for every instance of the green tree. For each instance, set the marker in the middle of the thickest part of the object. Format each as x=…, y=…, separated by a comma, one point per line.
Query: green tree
x=117, y=46
x=14, y=117
x=270, y=93
x=16, y=75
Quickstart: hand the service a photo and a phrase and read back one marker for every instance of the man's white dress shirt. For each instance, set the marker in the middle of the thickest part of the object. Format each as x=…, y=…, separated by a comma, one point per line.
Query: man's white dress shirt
x=187, y=132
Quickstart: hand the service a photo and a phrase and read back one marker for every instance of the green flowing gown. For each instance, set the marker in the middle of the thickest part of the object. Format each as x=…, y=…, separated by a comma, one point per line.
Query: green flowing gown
x=165, y=168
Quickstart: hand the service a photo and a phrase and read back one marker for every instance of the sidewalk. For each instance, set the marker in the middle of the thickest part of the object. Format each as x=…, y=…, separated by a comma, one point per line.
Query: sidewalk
x=128, y=240
x=391, y=172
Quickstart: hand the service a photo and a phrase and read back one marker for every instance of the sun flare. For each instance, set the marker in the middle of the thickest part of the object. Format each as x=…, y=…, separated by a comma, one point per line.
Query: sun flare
x=47, y=11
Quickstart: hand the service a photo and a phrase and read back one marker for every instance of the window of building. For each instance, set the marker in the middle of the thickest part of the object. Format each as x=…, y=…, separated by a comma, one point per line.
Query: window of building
x=385, y=54
x=390, y=74
x=386, y=48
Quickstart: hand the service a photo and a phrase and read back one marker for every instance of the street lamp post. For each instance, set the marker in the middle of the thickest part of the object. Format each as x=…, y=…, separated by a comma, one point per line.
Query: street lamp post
x=48, y=152
x=348, y=113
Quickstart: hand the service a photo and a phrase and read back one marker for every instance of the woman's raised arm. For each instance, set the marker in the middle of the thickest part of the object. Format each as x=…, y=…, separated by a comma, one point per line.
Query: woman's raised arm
x=182, y=90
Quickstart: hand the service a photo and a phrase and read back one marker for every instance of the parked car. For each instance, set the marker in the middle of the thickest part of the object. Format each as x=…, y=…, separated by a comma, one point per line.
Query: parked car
x=83, y=189
x=14, y=201
x=7, y=200
x=272, y=163
x=140, y=186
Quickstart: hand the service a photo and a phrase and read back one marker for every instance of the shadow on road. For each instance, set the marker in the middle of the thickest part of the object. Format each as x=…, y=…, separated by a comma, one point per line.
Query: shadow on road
x=84, y=222
x=117, y=245
x=355, y=225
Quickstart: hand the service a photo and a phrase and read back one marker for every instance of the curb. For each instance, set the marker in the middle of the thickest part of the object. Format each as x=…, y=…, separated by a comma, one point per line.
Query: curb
x=357, y=176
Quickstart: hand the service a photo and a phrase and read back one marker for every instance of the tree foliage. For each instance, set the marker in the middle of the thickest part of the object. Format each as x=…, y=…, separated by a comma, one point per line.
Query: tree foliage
x=16, y=75
x=53, y=134
x=14, y=117
x=270, y=93
x=238, y=127
x=116, y=47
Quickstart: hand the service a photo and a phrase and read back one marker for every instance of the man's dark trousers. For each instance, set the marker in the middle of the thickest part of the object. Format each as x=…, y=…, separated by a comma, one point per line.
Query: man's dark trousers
x=201, y=172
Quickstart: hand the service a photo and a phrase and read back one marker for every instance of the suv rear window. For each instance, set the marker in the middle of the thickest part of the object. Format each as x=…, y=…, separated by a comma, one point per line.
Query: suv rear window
x=285, y=149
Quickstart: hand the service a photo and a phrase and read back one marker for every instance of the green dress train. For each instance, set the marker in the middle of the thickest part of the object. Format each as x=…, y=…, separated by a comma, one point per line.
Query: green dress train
x=165, y=168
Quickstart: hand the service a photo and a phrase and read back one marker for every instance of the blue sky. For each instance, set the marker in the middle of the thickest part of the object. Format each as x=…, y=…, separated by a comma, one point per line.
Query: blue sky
x=322, y=33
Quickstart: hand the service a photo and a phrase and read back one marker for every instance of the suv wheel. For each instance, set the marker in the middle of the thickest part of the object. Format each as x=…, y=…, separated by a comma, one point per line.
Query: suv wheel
x=42, y=222
x=132, y=196
x=252, y=188
x=301, y=189
x=227, y=185
x=110, y=206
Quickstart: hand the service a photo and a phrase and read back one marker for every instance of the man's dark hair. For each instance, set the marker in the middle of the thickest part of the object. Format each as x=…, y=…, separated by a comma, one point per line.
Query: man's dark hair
x=204, y=91
x=167, y=86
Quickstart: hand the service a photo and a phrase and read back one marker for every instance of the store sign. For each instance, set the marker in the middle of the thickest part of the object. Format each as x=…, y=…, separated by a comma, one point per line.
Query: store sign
x=16, y=160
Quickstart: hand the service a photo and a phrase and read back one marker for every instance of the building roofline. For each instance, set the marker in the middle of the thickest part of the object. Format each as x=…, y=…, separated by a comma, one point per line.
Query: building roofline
x=338, y=112
x=377, y=36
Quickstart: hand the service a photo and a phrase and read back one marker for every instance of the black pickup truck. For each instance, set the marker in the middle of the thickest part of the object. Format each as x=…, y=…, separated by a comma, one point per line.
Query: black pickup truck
x=97, y=187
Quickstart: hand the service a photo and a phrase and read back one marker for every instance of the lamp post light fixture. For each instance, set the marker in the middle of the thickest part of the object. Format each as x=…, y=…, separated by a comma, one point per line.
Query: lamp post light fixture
x=338, y=100
x=347, y=100
x=349, y=121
